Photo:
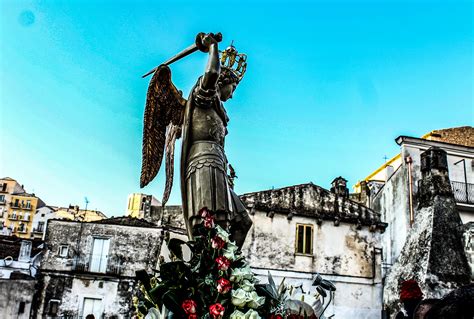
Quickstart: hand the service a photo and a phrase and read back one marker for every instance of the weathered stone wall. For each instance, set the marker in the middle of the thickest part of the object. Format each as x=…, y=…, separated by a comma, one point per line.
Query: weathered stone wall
x=131, y=248
x=392, y=201
x=433, y=253
x=71, y=289
x=14, y=292
x=312, y=201
x=134, y=248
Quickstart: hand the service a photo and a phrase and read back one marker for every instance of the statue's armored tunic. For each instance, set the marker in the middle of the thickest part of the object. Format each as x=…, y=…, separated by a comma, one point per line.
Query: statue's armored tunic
x=206, y=167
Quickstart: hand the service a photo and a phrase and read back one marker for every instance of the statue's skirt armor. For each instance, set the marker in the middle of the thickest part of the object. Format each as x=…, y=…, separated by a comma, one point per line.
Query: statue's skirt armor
x=206, y=180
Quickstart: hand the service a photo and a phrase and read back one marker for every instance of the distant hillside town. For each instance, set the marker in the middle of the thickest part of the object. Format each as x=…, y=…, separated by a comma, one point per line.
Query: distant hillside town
x=410, y=220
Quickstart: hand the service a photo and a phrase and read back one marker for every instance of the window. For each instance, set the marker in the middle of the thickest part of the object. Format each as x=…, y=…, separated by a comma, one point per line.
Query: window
x=25, y=250
x=100, y=251
x=63, y=250
x=3, y=187
x=40, y=227
x=2, y=198
x=28, y=204
x=21, y=307
x=53, y=307
x=304, y=239
x=26, y=216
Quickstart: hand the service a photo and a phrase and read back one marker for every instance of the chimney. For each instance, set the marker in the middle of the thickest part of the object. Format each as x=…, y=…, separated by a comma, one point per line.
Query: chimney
x=339, y=187
x=434, y=177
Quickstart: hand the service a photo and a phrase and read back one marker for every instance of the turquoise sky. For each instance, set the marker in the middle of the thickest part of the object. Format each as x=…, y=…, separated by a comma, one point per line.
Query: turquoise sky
x=329, y=87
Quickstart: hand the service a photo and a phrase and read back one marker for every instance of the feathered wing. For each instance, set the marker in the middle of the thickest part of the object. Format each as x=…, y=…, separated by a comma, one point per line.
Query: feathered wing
x=164, y=107
x=172, y=134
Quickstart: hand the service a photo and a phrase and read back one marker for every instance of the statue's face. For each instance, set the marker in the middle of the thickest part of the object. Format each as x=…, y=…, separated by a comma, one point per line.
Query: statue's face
x=226, y=91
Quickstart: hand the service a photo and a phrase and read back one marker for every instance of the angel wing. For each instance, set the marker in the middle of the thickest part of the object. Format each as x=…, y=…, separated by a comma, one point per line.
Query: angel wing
x=163, y=118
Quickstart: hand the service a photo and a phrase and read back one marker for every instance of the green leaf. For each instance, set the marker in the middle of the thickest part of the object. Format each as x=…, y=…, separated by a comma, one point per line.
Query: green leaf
x=175, y=272
x=142, y=308
x=144, y=278
x=266, y=291
x=156, y=294
x=282, y=288
x=174, y=246
x=272, y=285
x=171, y=301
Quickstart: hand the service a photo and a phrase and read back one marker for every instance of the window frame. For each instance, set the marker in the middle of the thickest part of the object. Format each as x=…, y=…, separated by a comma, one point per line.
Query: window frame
x=303, y=249
x=60, y=252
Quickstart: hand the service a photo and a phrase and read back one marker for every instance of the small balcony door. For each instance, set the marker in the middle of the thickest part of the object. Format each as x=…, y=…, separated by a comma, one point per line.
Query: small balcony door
x=100, y=251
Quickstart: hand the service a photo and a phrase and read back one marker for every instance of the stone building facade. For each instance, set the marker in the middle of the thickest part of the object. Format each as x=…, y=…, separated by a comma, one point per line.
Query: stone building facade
x=433, y=253
x=397, y=198
x=17, y=208
x=19, y=261
x=89, y=268
x=302, y=230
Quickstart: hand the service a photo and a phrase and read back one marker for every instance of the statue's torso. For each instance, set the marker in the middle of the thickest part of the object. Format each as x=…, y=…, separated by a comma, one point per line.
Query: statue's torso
x=207, y=125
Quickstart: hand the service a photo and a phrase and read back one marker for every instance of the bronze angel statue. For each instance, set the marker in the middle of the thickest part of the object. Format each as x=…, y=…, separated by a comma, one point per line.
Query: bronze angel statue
x=201, y=122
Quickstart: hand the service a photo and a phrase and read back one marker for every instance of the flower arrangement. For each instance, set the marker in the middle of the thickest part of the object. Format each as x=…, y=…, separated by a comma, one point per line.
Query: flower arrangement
x=217, y=283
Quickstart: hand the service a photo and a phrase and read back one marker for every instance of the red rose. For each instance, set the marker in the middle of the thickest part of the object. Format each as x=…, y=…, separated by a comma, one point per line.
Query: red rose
x=193, y=316
x=222, y=263
x=410, y=290
x=209, y=221
x=273, y=316
x=203, y=212
x=223, y=286
x=189, y=306
x=216, y=311
x=217, y=242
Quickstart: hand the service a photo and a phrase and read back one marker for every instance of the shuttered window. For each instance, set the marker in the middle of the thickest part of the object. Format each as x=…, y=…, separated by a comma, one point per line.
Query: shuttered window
x=304, y=239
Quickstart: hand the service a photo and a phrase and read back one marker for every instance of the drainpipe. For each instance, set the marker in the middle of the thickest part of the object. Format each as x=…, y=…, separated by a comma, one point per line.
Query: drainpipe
x=409, y=161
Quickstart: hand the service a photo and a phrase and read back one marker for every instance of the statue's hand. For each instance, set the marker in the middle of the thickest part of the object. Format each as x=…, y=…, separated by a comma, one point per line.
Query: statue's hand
x=204, y=41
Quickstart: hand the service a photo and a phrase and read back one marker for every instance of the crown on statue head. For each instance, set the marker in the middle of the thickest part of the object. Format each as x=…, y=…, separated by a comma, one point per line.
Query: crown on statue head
x=234, y=61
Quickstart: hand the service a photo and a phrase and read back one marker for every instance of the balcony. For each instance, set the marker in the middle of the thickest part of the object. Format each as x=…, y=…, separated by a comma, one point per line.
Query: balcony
x=21, y=206
x=13, y=217
x=463, y=192
x=20, y=230
x=98, y=264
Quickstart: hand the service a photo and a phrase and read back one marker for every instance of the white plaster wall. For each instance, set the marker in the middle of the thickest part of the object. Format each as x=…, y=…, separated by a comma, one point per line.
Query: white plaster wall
x=341, y=250
x=48, y=214
x=338, y=253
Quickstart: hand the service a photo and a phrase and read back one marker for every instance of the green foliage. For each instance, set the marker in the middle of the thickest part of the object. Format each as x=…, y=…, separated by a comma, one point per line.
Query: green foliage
x=196, y=279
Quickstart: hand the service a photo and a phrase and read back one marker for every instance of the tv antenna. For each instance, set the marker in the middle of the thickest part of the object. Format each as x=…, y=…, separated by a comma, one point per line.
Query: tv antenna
x=87, y=201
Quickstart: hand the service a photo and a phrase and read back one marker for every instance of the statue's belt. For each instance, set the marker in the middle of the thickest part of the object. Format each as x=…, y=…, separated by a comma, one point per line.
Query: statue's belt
x=205, y=154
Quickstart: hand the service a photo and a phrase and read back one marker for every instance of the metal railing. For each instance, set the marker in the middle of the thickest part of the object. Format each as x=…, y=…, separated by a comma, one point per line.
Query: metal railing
x=463, y=192
x=106, y=265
